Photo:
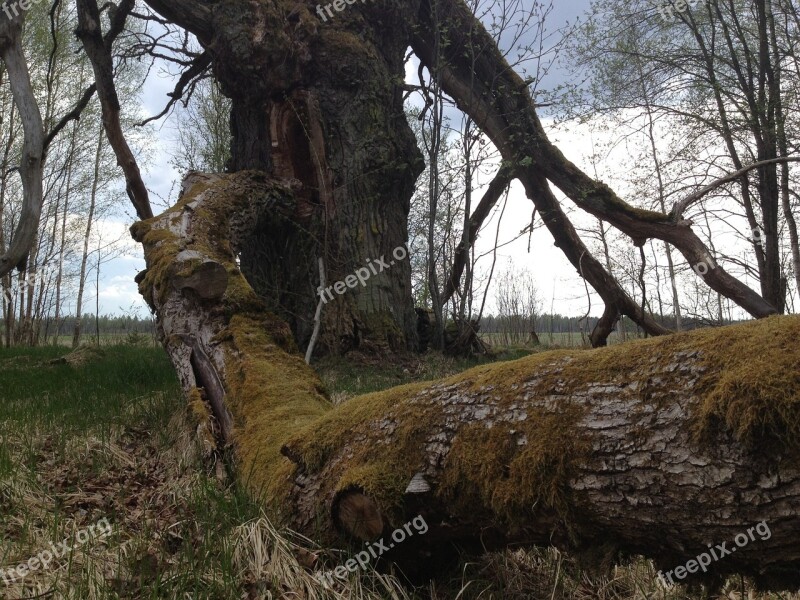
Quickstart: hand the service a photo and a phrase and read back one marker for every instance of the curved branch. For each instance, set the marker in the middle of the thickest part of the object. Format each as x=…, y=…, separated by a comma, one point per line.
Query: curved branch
x=98, y=50
x=497, y=98
x=496, y=189
x=32, y=161
x=72, y=115
x=198, y=66
x=680, y=207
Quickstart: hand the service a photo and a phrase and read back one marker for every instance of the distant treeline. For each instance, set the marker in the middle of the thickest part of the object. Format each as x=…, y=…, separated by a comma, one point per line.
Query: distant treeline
x=92, y=327
x=518, y=329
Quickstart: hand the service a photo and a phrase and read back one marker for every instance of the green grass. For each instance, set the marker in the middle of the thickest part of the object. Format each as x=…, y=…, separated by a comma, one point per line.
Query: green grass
x=100, y=393
x=108, y=440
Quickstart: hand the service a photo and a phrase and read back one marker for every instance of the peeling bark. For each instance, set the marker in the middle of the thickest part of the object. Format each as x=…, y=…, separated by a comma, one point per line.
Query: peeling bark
x=658, y=447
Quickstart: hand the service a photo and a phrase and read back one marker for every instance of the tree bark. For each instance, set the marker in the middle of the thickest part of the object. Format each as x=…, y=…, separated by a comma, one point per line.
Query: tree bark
x=31, y=166
x=98, y=49
x=321, y=103
x=658, y=447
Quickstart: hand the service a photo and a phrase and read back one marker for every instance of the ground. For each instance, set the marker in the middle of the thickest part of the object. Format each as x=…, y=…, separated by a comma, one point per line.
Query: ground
x=107, y=445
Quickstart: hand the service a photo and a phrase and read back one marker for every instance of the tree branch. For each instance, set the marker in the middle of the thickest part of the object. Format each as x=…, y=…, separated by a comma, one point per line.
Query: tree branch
x=72, y=115
x=498, y=100
x=191, y=15
x=32, y=159
x=680, y=207
x=197, y=67
x=99, y=52
x=497, y=187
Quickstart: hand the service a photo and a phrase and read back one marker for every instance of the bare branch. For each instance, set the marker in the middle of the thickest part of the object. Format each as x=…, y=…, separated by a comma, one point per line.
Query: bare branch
x=98, y=50
x=72, y=115
x=680, y=207
x=198, y=66
x=496, y=189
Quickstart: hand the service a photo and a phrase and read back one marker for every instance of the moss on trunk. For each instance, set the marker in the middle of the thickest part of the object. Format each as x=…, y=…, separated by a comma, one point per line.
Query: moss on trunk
x=535, y=450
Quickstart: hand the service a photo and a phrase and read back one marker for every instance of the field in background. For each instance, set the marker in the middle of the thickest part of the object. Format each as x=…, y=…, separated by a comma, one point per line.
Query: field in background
x=110, y=438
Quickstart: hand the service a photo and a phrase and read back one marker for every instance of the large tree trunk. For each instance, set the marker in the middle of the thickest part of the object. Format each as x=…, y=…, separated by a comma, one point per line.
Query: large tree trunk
x=659, y=447
x=319, y=103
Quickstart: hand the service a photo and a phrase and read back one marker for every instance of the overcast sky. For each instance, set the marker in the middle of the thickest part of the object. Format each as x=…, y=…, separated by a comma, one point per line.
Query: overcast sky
x=556, y=279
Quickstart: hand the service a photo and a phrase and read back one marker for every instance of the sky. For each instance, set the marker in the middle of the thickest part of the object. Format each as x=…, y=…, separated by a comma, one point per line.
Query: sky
x=558, y=283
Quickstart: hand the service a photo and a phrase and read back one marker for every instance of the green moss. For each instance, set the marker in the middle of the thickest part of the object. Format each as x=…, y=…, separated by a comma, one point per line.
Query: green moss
x=752, y=385
x=201, y=414
x=271, y=391
x=273, y=394
x=612, y=201
x=487, y=467
x=231, y=194
x=743, y=379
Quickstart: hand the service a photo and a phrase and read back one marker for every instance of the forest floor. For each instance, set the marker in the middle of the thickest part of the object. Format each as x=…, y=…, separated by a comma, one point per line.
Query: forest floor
x=100, y=470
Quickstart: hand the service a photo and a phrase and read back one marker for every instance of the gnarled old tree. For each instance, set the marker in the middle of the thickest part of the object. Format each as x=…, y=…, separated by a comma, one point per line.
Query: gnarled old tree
x=660, y=447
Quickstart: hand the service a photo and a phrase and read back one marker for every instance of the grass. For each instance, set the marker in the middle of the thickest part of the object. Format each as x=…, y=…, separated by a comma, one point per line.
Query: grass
x=111, y=438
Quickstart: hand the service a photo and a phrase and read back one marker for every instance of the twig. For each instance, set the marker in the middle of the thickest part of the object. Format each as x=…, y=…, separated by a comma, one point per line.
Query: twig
x=318, y=315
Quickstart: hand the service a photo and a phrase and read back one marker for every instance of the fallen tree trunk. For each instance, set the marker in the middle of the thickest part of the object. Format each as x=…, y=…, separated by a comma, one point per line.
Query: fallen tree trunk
x=658, y=447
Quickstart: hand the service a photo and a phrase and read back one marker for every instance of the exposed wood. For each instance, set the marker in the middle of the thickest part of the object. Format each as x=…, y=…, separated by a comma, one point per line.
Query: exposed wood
x=318, y=315
x=208, y=280
x=208, y=379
